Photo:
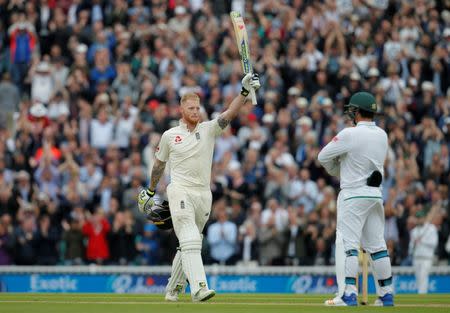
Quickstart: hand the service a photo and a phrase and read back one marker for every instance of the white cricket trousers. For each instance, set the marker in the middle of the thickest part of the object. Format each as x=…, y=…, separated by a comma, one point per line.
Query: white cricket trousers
x=190, y=208
x=189, y=205
x=422, y=268
x=360, y=219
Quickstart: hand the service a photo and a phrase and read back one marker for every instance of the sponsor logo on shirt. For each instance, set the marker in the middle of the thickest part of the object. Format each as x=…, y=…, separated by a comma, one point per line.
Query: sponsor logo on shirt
x=335, y=138
x=178, y=139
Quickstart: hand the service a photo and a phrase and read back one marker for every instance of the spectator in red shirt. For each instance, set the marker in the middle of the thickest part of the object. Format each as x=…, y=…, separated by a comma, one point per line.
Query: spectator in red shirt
x=96, y=230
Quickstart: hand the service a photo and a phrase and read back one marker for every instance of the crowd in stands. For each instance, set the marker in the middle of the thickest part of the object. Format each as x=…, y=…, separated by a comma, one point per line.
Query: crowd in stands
x=88, y=87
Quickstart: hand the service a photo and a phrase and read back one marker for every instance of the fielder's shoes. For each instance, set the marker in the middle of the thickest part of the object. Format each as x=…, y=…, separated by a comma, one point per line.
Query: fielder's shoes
x=172, y=295
x=336, y=301
x=350, y=300
x=386, y=300
x=203, y=294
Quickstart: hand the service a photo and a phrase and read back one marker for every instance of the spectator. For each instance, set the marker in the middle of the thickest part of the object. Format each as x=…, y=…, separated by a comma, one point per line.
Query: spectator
x=24, y=238
x=74, y=242
x=42, y=85
x=122, y=238
x=96, y=229
x=222, y=239
x=22, y=46
x=274, y=220
x=9, y=102
x=149, y=246
x=46, y=239
x=6, y=246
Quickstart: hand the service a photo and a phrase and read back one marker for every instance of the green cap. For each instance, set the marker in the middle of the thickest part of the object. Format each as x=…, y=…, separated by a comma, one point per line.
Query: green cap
x=364, y=101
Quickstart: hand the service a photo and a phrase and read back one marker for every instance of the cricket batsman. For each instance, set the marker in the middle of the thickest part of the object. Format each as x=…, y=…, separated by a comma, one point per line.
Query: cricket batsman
x=189, y=148
x=357, y=156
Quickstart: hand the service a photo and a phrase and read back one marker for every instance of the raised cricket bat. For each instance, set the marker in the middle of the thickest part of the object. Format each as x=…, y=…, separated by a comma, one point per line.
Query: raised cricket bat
x=365, y=278
x=242, y=42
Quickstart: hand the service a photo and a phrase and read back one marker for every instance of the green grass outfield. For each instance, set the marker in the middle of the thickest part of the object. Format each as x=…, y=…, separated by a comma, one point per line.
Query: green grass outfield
x=221, y=303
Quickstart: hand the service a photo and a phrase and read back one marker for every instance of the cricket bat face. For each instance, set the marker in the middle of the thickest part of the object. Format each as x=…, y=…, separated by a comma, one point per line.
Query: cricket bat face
x=242, y=40
x=242, y=43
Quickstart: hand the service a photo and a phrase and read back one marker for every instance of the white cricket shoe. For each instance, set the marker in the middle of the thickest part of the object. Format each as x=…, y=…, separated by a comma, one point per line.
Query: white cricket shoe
x=203, y=294
x=336, y=301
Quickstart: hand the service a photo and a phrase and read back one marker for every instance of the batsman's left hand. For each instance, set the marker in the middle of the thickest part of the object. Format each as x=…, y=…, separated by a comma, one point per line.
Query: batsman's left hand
x=251, y=80
x=145, y=200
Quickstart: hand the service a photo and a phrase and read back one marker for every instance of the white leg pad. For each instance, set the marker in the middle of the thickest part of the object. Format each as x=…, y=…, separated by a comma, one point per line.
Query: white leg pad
x=193, y=264
x=177, y=280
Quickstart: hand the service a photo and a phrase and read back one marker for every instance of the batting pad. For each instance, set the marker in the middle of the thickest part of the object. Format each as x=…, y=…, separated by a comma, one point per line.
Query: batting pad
x=381, y=265
x=191, y=259
x=177, y=280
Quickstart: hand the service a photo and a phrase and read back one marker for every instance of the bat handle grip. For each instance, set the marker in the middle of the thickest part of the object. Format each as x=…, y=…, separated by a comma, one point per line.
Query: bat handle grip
x=253, y=96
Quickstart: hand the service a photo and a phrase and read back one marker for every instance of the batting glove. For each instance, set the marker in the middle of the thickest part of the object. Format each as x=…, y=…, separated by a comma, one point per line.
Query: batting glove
x=145, y=200
x=250, y=81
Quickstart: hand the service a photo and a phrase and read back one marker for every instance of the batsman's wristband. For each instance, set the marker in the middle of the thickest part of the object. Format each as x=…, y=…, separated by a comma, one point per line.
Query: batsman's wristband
x=244, y=92
x=151, y=193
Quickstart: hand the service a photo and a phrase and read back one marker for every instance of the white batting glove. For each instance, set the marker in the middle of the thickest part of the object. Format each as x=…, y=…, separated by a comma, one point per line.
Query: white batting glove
x=145, y=200
x=250, y=81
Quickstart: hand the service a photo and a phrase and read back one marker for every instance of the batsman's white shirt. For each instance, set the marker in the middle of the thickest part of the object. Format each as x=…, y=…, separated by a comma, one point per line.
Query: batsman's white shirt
x=190, y=154
x=355, y=153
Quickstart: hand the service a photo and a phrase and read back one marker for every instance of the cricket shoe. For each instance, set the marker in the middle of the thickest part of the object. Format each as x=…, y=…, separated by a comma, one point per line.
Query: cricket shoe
x=336, y=301
x=203, y=294
x=386, y=300
x=350, y=300
x=172, y=295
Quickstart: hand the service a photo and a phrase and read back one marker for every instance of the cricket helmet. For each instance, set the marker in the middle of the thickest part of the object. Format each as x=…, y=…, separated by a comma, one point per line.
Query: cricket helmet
x=160, y=215
x=364, y=101
x=360, y=101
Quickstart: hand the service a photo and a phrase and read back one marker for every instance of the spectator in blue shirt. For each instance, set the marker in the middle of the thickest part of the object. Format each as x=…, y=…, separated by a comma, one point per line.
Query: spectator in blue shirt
x=222, y=236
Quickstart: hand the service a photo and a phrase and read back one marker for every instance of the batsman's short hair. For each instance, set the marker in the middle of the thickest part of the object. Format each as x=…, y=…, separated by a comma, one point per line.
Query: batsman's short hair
x=189, y=96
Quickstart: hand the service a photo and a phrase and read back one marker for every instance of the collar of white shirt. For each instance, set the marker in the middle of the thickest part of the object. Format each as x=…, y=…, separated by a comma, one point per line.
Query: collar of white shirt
x=183, y=125
x=365, y=123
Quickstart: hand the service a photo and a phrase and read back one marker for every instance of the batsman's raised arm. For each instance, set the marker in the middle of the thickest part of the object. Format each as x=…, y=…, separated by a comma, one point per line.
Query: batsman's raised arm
x=249, y=82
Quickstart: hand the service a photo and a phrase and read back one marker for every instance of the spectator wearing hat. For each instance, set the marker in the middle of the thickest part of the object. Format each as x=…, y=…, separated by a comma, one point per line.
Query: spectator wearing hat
x=42, y=84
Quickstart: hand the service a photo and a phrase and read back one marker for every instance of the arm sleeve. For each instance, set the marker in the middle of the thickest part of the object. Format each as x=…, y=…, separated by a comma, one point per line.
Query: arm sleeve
x=214, y=127
x=162, y=151
x=337, y=147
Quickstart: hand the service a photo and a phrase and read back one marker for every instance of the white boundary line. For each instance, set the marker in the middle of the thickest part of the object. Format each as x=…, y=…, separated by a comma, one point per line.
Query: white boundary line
x=430, y=305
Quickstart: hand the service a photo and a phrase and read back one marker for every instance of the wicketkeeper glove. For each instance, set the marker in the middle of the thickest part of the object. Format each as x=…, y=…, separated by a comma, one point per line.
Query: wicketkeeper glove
x=145, y=200
x=250, y=81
